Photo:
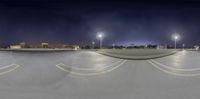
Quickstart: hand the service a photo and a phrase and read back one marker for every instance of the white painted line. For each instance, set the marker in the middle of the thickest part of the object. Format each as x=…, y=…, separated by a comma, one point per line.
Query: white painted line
x=172, y=68
x=14, y=67
x=91, y=74
x=172, y=73
x=91, y=69
x=7, y=66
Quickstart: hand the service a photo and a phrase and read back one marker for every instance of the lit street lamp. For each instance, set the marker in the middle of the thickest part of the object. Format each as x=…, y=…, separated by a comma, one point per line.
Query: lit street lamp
x=113, y=46
x=176, y=37
x=100, y=36
x=93, y=43
x=183, y=45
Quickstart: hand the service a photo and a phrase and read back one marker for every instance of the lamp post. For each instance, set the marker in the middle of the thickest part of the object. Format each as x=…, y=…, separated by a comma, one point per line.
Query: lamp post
x=176, y=37
x=113, y=46
x=93, y=44
x=183, y=45
x=100, y=36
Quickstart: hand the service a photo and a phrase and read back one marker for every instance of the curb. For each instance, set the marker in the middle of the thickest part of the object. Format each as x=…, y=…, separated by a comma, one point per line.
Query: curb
x=136, y=57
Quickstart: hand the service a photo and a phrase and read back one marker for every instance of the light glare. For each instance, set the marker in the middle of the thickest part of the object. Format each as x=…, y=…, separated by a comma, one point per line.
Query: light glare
x=176, y=36
x=100, y=35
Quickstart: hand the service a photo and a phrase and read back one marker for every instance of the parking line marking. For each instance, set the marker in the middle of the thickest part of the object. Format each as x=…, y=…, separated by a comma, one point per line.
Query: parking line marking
x=172, y=68
x=91, y=74
x=172, y=73
x=10, y=70
x=93, y=69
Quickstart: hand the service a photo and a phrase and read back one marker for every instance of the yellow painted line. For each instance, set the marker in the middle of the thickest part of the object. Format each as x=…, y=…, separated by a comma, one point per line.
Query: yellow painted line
x=172, y=68
x=10, y=70
x=91, y=74
x=93, y=69
x=172, y=73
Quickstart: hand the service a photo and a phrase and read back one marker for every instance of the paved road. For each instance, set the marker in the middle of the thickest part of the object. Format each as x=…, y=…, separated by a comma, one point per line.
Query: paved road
x=38, y=77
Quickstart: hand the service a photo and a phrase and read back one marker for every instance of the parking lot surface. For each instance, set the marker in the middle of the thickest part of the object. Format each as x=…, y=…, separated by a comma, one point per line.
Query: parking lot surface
x=89, y=75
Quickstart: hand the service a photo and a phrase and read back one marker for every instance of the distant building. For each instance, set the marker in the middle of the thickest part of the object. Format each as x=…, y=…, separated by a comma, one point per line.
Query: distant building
x=60, y=46
x=162, y=46
x=76, y=47
x=23, y=44
x=56, y=45
x=64, y=46
x=67, y=46
x=45, y=45
x=15, y=46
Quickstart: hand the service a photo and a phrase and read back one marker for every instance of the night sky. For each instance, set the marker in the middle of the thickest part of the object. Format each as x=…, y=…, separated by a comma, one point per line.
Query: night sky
x=78, y=22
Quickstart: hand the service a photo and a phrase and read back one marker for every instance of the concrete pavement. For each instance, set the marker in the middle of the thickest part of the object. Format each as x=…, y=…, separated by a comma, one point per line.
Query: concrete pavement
x=39, y=78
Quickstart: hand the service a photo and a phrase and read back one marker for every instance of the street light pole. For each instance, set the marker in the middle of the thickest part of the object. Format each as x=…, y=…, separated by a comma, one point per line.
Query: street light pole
x=183, y=45
x=176, y=37
x=100, y=36
x=113, y=46
x=175, y=43
x=100, y=42
x=93, y=44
